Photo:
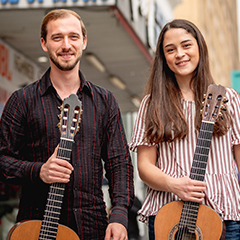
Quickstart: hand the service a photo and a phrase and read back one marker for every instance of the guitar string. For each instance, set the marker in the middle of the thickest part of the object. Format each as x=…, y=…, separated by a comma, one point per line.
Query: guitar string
x=52, y=197
x=198, y=174
x=57, y=186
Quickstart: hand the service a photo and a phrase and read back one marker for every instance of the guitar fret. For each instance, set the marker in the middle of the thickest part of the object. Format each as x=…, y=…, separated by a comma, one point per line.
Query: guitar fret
x=65, y=158
x=65, y=149
x=55, y=201
x=55, y=194
x=49, y=232
x=67, y=139
x=54, y=214
x=44, y=238
x=58, y=188
x=200, y=154
x=51, y=225
x=53, y=206
x=51, y=217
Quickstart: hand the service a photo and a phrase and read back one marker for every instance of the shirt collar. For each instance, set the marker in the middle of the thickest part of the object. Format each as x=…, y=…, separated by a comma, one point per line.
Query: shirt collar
x=47, y=87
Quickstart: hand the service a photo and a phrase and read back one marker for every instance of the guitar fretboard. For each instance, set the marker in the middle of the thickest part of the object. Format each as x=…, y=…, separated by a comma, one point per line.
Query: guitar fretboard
x=190, y=209
x=50, y=222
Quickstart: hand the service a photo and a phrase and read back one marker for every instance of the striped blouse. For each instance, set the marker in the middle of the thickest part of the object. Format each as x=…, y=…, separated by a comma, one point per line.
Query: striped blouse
x=175, y=159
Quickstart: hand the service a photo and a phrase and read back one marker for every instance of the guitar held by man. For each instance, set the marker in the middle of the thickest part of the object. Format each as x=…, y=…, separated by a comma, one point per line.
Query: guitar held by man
x=50, y=228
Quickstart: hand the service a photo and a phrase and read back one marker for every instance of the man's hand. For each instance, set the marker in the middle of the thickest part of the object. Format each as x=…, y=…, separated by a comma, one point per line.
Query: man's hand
x=117, y=231
x=56, y=170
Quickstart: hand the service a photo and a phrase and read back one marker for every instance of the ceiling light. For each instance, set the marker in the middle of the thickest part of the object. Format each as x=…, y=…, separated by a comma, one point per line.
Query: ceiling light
x=42, y=59
x=136, y=101
x=95, y=62
x=117, y=82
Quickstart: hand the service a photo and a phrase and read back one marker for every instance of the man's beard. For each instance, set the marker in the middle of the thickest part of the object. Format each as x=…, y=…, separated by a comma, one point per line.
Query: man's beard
x=63, y=67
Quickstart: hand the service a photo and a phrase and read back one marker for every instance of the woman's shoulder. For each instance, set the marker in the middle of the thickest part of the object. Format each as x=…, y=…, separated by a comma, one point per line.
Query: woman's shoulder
x=231, y=94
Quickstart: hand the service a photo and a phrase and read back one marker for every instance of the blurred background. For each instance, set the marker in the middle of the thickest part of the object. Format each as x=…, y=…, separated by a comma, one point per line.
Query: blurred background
x=122, y=37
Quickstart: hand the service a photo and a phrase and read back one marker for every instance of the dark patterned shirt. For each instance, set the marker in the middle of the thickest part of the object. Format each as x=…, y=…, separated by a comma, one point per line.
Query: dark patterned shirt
x=29, y=135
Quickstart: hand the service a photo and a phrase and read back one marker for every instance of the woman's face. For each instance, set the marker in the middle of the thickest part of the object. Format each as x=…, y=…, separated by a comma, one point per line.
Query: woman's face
x=181, y=51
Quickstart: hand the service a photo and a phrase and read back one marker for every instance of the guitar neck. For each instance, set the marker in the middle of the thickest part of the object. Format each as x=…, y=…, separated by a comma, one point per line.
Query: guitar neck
x=52, y=213
x=190, y=209
x=201, y=152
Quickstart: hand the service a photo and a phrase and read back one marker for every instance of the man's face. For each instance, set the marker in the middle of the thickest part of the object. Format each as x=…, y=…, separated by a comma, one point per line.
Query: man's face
x=64, y=42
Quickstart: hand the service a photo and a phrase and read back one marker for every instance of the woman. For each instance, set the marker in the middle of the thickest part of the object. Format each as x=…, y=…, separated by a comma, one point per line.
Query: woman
x=167, y=127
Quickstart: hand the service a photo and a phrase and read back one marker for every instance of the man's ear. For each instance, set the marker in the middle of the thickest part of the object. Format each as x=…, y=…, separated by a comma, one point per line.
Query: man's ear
x=43, y=44
x=84, y=43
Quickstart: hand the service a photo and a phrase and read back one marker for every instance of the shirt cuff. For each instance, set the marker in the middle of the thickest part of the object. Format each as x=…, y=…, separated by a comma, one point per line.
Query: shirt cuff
x=33, y=171
x=119, y=215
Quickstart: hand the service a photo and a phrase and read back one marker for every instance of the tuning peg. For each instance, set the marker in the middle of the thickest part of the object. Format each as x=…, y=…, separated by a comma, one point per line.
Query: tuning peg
x=223, y=108
x=201, y=111
x=58, y=125
x=225, y=100
x=59, y=116
x=60, y=107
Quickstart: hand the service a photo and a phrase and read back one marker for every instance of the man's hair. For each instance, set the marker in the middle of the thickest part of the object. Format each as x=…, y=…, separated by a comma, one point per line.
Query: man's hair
x=56, y=14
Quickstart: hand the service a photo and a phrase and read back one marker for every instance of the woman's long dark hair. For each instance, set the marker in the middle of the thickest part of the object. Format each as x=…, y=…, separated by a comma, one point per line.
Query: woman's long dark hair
x=165, y=120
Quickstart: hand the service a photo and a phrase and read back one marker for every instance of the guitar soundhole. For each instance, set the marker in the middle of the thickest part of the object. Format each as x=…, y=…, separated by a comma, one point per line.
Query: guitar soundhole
x=183, y=234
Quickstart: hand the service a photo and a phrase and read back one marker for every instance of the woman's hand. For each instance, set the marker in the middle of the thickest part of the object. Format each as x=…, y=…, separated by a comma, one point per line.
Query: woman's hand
x=187, y=189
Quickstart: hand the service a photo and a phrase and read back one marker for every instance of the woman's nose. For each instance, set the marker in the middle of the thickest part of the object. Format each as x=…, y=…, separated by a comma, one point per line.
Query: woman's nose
x=180, y=52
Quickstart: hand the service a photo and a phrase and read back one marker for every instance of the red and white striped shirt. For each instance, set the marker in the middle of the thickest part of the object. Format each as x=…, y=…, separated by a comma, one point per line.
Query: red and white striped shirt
x=175, y=159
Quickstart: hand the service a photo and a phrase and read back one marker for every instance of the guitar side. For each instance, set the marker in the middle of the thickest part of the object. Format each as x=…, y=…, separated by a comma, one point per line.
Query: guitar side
x=209, y=224
x=30, y=230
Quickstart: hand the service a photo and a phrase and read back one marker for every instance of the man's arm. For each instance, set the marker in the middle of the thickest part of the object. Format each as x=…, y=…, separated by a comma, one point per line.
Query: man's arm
x=119, y=172
x=12, y=132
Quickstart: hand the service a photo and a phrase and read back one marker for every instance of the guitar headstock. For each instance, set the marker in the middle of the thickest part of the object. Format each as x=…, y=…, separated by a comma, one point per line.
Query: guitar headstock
x=70, y=116
x=213, y=103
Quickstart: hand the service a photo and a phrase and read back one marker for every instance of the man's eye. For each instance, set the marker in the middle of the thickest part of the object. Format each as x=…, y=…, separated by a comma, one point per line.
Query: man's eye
x=75, y=37
x=56, y=38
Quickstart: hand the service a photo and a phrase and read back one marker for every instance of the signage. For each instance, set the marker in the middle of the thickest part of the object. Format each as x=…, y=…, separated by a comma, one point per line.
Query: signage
x=13, y=4
x=146, y=17
x=16, y=71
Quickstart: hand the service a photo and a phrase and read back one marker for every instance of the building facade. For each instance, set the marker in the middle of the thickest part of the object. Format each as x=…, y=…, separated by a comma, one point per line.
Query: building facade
x=218, y=22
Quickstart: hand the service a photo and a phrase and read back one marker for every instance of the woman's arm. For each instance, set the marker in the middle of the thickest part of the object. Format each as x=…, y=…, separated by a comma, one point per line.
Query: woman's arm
x=185, y=188
x=236, y=150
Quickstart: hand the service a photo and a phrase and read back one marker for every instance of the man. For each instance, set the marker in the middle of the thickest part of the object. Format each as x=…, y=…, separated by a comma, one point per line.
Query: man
x=29, y=139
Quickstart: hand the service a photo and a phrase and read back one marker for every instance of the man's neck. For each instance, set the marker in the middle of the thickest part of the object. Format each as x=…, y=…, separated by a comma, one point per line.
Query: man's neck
x=65, y=82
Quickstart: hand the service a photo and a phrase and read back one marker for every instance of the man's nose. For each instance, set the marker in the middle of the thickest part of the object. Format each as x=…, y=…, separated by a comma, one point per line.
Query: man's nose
x=66, y=43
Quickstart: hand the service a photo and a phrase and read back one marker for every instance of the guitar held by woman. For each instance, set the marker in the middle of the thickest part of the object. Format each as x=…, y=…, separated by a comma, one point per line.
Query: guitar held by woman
x=187, y=159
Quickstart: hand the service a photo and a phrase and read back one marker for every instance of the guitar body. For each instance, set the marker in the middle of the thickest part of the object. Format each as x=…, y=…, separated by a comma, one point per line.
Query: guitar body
x=208, y=224
x=30, y=230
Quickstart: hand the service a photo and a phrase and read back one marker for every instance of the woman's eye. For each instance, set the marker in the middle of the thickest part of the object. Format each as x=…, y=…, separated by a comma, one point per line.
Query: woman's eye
x=187, y=45
x=170, y=50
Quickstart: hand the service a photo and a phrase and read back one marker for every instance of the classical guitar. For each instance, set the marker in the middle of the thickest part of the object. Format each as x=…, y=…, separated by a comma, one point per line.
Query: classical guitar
x=49, y=228
x=188, y=220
